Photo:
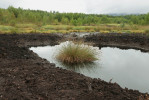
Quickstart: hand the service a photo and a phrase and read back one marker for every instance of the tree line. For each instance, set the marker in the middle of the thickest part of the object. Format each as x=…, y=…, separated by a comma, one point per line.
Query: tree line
x=12, y=16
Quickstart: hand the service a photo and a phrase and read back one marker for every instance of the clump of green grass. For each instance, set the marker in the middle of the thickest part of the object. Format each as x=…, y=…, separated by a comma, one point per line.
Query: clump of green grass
x=76, y=53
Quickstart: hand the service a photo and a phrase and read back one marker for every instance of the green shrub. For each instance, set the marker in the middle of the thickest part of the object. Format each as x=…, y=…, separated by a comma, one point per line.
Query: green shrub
x=76, y=53
x=14, y=31
x=68, y=28
x=12, y=23
x=147, y=31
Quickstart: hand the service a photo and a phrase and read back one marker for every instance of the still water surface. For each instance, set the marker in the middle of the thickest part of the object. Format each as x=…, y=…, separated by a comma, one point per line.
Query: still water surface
x=129, y=68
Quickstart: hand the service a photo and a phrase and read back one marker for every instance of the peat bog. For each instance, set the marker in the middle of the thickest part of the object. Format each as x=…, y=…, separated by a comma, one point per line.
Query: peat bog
x=24, y=75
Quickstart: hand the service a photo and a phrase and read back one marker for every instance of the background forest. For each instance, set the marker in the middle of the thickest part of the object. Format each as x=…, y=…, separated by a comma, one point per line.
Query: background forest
x=18, y=20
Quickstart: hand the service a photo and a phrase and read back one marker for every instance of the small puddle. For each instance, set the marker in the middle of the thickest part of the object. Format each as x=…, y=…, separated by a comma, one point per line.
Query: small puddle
x=129, y=68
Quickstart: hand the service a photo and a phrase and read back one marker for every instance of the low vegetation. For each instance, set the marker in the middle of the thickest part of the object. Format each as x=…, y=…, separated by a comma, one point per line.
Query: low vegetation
x=103, y=28
x=76, y=53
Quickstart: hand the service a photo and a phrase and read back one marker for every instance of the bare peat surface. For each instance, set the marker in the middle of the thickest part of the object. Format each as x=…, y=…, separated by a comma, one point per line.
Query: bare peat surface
x=25, y=76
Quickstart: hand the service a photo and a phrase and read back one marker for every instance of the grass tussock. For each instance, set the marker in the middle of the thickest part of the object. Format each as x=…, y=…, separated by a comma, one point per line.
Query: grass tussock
x=76, y=53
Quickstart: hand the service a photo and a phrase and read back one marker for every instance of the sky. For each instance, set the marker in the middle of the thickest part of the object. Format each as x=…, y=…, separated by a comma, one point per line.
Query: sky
x=82, y=6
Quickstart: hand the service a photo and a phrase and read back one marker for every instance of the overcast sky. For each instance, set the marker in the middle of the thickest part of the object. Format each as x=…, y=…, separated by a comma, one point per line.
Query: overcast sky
x=83, y=6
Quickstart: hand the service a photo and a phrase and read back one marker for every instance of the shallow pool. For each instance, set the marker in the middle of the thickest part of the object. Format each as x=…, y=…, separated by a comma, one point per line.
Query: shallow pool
x=129, y=68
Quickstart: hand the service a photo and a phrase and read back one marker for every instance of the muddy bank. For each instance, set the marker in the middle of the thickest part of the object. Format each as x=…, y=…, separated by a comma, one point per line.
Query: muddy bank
x=124, y=41
x=23, y=75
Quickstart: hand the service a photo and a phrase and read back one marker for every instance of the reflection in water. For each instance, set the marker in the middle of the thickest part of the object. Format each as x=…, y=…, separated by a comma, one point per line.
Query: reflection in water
x=129, y=68
x=79, y=67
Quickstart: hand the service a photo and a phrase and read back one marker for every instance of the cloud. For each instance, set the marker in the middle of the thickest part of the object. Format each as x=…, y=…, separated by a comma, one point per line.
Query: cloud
x=7, y=3
x=84, y=6
x=55, y=5
x=118, y=6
